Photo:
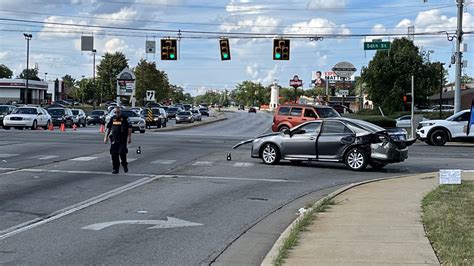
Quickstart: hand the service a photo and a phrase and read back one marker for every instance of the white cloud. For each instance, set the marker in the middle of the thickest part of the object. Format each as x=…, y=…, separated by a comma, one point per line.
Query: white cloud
x=253, y=70
x=114, y=45
x=326, y=4
x=50, y=30
x=3, y=55
x=243, y=7
x=316, y=26
x=261, y=24
x=117, y=18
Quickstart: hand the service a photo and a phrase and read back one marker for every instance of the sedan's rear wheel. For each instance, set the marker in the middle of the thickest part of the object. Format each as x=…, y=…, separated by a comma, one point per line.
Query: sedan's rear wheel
x=356, y=159
x=270, y=154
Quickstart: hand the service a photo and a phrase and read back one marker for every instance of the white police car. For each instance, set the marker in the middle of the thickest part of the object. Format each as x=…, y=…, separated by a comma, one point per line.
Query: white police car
x=453, y=128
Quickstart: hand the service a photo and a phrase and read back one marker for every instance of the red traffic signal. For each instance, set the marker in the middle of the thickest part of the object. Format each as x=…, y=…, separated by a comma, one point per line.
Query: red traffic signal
x=407, y=98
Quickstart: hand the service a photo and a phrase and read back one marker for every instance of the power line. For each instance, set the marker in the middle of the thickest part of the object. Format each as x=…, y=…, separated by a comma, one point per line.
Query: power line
x=217, y=34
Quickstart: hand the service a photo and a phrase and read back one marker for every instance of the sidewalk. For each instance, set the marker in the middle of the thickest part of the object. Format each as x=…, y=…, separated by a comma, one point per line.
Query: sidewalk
x=372, y=224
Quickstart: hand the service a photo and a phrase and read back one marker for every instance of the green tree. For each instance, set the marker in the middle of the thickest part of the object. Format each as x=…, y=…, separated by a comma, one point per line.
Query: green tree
x=251, y=93
x=388, y=76
x=32, y=74
x=69, y=85
x=5, y=72
x=150, y=78
x=107, y=71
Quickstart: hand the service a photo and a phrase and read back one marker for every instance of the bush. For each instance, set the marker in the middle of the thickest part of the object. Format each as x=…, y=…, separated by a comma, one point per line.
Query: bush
x=378, y=120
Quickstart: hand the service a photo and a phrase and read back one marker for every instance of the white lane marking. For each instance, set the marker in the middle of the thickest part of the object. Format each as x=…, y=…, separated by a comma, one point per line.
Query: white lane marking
x=243, y=164
x=44, y=157
x=202, y=163
x=164, y=162
x=7, y=155
x=236, y=178
x=83, y=159
x=74, y=208
x=170, y=222
x=34, y=170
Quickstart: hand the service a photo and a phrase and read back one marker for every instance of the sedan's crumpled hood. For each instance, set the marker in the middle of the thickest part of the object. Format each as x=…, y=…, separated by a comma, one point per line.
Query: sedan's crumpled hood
x=259, y=137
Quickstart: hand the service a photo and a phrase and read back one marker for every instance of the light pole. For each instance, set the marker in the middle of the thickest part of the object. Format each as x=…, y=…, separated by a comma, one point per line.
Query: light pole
x=45, y=74
x=94, y=51
x=27, y=38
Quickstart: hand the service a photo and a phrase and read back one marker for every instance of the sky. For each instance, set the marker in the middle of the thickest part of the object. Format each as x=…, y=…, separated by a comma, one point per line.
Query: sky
x=125, y=26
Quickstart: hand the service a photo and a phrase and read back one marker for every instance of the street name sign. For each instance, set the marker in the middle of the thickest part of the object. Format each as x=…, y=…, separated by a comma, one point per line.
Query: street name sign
x=377, y=45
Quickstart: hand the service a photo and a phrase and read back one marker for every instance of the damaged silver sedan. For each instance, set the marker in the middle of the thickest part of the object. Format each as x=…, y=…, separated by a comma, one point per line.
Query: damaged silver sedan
x=354, y=142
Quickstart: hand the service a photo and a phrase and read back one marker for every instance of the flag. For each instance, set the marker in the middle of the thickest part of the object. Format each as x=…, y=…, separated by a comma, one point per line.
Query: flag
x=471, y=120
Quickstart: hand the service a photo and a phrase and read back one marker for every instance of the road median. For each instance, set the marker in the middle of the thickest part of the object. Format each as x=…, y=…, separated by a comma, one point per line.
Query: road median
x=211, y=120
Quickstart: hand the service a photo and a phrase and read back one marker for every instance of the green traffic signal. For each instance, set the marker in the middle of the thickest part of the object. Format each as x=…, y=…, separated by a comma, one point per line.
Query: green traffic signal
x=172, y=56
x=277, y=56
x=225, y=56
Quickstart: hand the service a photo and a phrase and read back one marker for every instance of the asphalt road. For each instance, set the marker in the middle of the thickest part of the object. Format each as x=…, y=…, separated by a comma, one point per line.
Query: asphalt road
x=182, y=203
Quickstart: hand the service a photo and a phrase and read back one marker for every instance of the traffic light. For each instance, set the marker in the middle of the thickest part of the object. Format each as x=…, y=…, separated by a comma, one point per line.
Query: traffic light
x=407, y=98
x=281, y=49
x=169, y=49
x=225, y=49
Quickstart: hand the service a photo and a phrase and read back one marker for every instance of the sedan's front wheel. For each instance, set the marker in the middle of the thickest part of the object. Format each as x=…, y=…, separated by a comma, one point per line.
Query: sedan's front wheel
x=356, y=159
x=270, y=154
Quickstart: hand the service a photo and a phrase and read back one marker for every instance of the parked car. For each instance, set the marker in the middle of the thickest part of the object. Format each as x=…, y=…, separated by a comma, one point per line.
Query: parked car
x=252, y=110
x=5, y=110
x=241, y=107
x=96, y=117
x=81, y=119
x=196, y=114
x=444, y=108
x=353, y=142
x=137, y=110
x=172, y=111
x=27, y=116
x=287, y=116
x=184, y=116
x=453, y=128
x=159, y=118
x=64, y=103
x=137, y=122
x=204, y=111
x=61, y=115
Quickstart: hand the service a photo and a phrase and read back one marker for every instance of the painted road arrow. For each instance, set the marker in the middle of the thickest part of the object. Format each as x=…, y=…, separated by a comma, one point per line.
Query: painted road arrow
x=158, y=224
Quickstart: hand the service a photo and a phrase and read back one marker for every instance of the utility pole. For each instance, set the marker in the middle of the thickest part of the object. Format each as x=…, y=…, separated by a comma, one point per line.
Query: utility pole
x=93, y=79
x=27, y=38
x=459, y=34
x=412, y=121
x=441, y=90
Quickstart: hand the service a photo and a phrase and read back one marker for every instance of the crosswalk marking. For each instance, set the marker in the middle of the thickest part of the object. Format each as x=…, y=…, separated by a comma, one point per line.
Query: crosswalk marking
x=164, y=162
x=44, y=157
x=83, y=159
x=6, y=155
x=243, y=164
x=202, y=163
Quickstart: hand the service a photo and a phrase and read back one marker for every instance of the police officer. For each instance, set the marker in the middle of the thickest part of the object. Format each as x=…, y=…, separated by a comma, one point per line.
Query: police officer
x=120, y=133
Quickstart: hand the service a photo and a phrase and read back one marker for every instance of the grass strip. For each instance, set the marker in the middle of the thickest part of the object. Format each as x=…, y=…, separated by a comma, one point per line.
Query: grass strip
x=300, y=225
x=448, y=218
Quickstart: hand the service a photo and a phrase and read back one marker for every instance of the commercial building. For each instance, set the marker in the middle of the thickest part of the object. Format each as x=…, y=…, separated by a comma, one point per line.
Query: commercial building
x=14, y=91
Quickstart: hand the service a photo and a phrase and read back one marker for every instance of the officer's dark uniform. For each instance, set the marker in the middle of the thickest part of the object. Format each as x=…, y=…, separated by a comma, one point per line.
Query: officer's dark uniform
x=118, y=141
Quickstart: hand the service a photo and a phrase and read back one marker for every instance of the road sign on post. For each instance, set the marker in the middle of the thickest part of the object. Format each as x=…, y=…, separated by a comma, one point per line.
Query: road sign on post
x=150, y=96
x=377, y=45
x=295, y=83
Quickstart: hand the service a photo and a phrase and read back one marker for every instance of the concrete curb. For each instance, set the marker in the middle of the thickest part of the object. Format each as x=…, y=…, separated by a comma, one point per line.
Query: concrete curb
x=275, y=250
x=206, y=122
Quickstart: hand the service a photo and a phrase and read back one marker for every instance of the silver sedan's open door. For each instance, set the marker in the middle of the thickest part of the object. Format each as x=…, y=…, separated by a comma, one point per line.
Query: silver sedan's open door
x=242, y=143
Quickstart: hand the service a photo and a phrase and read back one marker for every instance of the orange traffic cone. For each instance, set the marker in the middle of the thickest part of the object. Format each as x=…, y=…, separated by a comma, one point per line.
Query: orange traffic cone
x=74, y=127
x=51, y=127
x=102, y=129
x=62, y=128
